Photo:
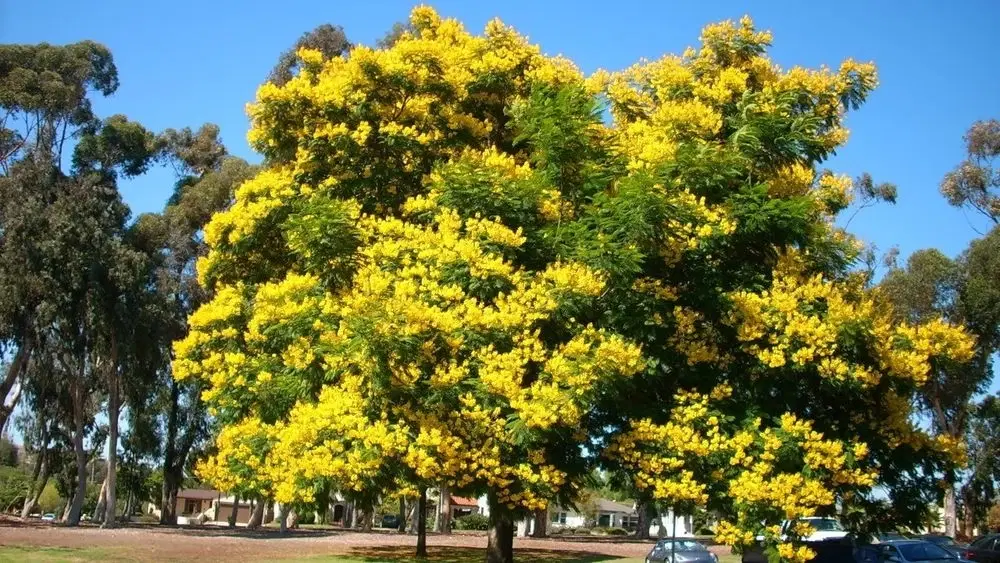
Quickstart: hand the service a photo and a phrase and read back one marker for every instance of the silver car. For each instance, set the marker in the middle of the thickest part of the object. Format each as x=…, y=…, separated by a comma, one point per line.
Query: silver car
x=680, y=551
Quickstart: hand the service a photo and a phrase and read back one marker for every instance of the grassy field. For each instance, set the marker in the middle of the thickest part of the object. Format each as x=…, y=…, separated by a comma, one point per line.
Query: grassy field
x=456, y=555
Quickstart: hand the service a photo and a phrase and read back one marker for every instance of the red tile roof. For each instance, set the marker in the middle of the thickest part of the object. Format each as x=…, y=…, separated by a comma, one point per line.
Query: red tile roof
x=462, y=501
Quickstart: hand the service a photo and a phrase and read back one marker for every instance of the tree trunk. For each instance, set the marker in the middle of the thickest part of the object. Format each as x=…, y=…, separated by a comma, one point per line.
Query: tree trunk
x=268, y=512
x=76, y=508
x=283, y=519
x=293, y=519
x=111, y=480
x=368, y=517
x=401, y=527
x=14, y=370
x=949, y=509
x=500, y=539
x=422, y=523
x=642, y=526
x=69, y=506
x=37, y=486
x=234, y=513
x=171, y=478
x=102, y=500
x=443, y=519
x=541, y=523
x=257, y=516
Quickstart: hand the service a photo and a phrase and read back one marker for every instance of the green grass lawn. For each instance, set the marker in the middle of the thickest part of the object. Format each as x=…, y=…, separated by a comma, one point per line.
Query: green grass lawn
x=396, y=554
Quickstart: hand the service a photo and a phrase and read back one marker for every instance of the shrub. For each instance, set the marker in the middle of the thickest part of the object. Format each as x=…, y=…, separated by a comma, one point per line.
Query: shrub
x=472, y=522
x=149, y=519
x=705, y=532
x=617, y=532
x=583, y=530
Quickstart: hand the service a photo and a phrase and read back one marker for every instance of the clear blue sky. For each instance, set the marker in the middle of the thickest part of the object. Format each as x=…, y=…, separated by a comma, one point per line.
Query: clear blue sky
x=182, y=63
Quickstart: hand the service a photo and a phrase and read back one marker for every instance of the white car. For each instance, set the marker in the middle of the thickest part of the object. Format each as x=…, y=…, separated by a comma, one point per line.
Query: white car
x=823, y=528
x=48, y=517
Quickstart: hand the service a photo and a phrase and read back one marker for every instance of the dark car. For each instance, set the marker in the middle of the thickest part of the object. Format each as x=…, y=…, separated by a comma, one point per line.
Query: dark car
x=680, y=550
x=946, y=542
x=390, y=521
x=840, y=550
x=907, y=551
x=984, y=550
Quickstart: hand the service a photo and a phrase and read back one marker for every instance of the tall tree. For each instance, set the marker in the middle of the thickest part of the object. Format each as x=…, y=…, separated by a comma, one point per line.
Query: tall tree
x=327, y=39
x=208, y=178
x=454, y=269
x=44, y=101
x=964, y=291
x=976, y=181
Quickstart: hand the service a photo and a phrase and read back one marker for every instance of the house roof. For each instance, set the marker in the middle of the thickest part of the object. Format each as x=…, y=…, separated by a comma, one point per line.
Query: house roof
x=605, y=505
x=462, y=501
x=198, y=494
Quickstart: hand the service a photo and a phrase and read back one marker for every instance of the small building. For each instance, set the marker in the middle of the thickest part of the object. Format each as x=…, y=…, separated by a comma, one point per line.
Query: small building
x=461, y=506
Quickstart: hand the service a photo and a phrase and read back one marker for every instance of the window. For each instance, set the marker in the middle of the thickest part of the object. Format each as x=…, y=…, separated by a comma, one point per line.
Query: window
x=984, y=543
x=559, y=518
x=191, y=506
x=923, y=551
x=604, y=520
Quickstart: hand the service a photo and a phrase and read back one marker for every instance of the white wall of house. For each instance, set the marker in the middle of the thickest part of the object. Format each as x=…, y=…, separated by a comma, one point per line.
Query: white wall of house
x=668, y=524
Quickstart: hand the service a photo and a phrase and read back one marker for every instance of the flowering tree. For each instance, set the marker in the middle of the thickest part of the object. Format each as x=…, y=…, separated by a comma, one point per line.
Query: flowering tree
x=455, y=270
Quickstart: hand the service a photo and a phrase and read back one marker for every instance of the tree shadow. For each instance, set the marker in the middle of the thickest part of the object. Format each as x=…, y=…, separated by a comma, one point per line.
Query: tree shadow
x=449, y=554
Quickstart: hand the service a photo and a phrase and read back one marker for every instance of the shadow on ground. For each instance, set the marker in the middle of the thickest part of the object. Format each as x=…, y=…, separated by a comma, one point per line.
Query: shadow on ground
x=444, y=554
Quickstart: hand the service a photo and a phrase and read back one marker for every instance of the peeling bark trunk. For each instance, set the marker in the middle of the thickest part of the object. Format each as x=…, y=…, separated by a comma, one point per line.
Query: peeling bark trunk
x=37, y=487
x=114, y=408
x=14, y=371
x=76, y=508
x=257, y=516
x=444, y=510
x=293, y=519
x=500, y=538
x=102, y=497
x=949, y=508
x=171, y=479
x=541, y=523
x=642, y=527
x=422, y=523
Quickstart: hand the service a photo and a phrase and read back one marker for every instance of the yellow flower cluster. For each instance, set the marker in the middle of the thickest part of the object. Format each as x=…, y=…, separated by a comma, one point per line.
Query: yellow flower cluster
x=799, y=320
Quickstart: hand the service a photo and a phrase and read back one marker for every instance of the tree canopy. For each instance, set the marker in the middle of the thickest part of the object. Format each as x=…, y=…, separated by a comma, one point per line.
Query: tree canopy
x=466, y=261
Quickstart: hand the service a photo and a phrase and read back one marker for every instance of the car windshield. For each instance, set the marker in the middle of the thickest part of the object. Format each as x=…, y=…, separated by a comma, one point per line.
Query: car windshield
x=825, y=525
x=941, y=540
x=680, y=545
x=923, y=551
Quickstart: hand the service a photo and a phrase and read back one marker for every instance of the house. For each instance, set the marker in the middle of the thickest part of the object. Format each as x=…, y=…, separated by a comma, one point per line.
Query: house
x=462, y=506
x=199, y=506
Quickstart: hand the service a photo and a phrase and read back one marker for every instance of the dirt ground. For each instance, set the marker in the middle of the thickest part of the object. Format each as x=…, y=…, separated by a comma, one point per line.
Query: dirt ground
x=159, y=543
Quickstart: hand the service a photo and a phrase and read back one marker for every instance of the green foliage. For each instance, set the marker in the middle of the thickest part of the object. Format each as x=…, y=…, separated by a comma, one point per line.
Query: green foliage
x=326, y=38
x=975, y=182
x=472, y=522
x=10, y=454
x=14, y=483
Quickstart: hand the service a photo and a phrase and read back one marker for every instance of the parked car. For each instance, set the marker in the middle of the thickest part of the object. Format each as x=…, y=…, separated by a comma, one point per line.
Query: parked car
x=906, y=551
x=984, y=550
x=685, y=550
x=945, y=542
x=823, y=528
x=390, y=521
x=840, y=550
x=890, y=536
x=49, y=517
